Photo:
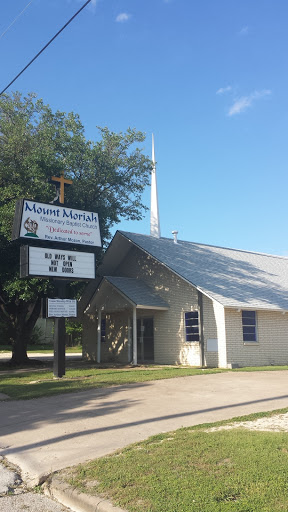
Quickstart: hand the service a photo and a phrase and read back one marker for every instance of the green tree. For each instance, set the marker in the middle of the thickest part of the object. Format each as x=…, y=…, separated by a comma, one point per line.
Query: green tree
x=109, y=176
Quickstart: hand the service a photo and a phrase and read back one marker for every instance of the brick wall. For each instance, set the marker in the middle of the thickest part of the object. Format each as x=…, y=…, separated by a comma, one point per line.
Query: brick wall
x=89, y=337
x=170, y=346
x=272, y=339
x=115, y=346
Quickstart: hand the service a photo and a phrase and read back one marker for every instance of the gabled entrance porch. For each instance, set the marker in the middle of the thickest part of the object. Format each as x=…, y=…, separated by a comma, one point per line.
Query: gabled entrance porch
x=129, y=305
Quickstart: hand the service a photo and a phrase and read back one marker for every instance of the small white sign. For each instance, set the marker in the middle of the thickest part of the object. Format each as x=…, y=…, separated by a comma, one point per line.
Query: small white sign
x=212, y=345
x=59, y=224
x=58, y=263
x=61, y=308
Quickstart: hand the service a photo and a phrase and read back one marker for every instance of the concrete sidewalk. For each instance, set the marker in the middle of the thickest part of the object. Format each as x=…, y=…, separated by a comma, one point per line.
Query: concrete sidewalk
x=44, y=435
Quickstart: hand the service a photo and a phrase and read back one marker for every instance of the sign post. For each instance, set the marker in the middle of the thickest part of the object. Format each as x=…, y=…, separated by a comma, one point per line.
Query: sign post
x=57, y=226
x=59, y=338
x=60, y=309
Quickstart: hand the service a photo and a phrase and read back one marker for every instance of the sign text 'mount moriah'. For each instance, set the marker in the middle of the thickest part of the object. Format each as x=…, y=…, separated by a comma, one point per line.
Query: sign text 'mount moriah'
x=56, y=224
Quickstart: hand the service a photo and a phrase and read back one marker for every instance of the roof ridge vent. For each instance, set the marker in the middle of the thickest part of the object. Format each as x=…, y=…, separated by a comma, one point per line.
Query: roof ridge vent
x=175, y=233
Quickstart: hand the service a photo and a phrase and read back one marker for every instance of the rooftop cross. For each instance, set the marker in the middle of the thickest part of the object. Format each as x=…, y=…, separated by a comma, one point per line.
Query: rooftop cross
x=63, y=181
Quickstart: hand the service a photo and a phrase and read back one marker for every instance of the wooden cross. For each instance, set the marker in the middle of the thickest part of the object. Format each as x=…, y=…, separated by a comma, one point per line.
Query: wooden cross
x=62, y=182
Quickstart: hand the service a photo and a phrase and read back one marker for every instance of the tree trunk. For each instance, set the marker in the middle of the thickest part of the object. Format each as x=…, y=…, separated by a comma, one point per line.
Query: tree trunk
x=19, y=353
x=25, y=323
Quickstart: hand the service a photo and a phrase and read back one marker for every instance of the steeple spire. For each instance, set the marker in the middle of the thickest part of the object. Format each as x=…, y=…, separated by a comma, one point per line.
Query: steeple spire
x=154, y=211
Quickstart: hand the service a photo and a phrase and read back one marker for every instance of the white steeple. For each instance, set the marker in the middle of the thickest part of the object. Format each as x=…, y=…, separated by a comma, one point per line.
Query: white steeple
x=154, y=211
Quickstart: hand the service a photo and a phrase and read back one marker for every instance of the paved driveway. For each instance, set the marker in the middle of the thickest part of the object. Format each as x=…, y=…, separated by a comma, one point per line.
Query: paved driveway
x=48, y=434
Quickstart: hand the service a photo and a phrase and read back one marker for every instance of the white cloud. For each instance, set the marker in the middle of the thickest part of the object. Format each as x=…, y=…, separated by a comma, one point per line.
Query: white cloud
x=241, y=104
x=91, y=6
x=223, y=90
x=92, y=2
x=244, y=31
x=122, y=17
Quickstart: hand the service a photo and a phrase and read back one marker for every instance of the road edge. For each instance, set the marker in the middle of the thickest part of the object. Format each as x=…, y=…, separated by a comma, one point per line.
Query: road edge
x=77, y=501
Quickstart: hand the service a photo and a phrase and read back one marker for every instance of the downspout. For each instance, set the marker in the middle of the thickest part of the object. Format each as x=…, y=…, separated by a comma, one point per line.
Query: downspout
x=134, y=336
x=129, y=341
x=99, y=337
x=201, y=332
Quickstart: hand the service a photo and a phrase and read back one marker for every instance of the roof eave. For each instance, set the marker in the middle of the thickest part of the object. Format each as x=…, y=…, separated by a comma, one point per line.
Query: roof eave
x=158, y=308
x=255, y=308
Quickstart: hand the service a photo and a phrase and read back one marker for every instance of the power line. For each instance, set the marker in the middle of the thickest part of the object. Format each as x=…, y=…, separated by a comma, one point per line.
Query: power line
x=44, y=47
x=15, y=19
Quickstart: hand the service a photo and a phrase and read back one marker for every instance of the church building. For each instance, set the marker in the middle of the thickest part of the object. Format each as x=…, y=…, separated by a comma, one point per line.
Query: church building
x=167, y=301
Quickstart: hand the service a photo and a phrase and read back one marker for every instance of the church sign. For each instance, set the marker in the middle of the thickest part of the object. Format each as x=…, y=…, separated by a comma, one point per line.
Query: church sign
x=47, y=262
x=58, y=308
x=53, y=223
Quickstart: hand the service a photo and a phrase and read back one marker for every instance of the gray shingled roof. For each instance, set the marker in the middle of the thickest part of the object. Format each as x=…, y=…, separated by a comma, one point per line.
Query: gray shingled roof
x=137, y=292
x=235, y=278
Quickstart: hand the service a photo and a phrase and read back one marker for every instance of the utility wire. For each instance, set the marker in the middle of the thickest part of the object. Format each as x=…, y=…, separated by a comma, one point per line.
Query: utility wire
x=15, y=19
x=44, y=47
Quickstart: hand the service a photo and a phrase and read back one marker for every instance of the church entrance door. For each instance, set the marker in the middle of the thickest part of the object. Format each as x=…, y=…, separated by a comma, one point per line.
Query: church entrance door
x=145, y=340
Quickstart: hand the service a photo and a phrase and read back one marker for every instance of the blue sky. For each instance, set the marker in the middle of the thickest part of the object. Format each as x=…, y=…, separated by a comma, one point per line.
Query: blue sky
x=208, y=78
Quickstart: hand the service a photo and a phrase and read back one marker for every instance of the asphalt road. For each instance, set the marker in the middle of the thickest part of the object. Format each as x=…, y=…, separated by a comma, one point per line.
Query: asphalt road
x=44, y=435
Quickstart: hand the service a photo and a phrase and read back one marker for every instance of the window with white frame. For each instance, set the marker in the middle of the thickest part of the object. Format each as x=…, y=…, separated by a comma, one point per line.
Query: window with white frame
x=192, y=325
x=249, y=326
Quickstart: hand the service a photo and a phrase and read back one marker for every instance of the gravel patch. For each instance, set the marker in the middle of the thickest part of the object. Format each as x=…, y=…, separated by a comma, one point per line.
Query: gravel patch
x=16, y=497
x=277, y=423
x=30, y=502
x=8, y=480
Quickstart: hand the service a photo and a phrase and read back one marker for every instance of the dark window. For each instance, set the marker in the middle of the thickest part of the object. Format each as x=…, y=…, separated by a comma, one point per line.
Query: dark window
x=249, y=325
x=192, y=326
x=103, y=330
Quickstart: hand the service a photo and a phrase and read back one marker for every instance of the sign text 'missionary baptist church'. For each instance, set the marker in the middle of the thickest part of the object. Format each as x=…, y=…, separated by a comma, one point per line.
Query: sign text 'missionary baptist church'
x=53, y=223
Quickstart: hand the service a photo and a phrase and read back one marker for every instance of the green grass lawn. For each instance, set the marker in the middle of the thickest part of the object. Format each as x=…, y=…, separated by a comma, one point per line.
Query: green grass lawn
x=191, y=470
x=41, y=382
x=36, y=384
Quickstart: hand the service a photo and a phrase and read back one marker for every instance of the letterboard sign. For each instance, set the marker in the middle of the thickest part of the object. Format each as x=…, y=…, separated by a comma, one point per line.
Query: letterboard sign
x=47, y=262
x=53, y=223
